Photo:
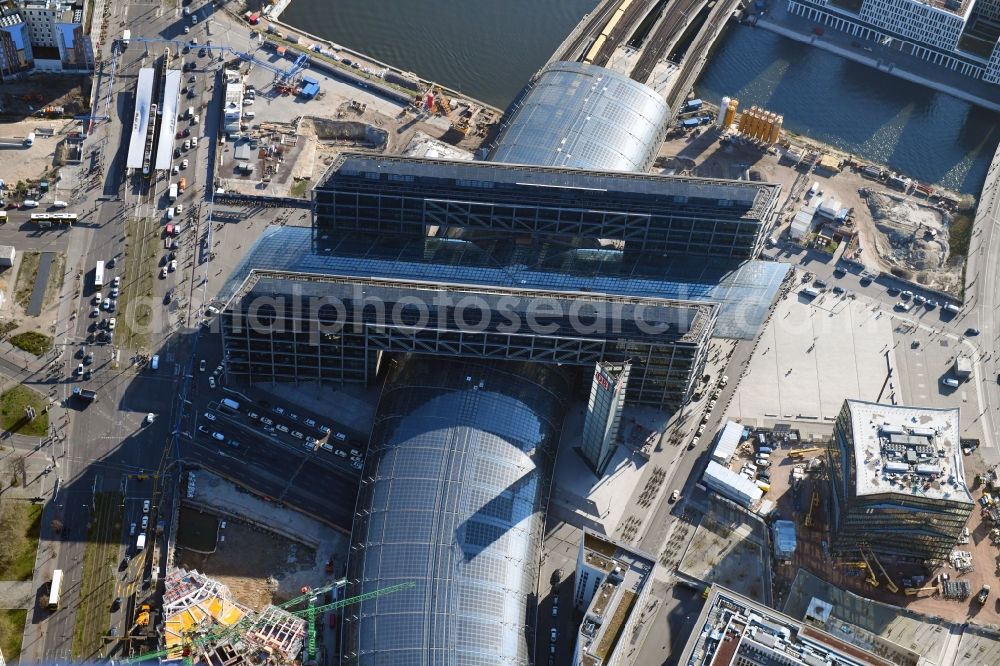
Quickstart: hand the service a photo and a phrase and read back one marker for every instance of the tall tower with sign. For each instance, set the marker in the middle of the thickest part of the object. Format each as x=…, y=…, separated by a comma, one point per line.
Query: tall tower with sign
x=604, y=413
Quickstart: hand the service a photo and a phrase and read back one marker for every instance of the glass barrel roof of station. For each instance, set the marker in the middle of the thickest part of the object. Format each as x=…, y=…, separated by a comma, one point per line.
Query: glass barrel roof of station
x=459, y=465
x=579, y=115
x=743, y=291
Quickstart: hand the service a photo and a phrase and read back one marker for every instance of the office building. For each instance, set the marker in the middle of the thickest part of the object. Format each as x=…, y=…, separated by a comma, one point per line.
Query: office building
x=897, y=481
x=734, y=630
x=602, y=424
x=56, y=32
x=635, y=213
x=336, y=328
x=15, y=46
x=44, y=36
x=611, y=586
x=961, y=35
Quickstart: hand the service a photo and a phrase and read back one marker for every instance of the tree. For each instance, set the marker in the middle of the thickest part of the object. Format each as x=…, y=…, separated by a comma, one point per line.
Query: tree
x=56, y=526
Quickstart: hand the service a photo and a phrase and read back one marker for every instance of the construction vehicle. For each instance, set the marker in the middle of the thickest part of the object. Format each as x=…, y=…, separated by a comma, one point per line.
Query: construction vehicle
x=914, y=591
x=799, y=453
x=872, y=580
x=194, y=642
x=983, y=594
x=813, y=503
x=889, y=583
x=852, y=565
x=142, y=619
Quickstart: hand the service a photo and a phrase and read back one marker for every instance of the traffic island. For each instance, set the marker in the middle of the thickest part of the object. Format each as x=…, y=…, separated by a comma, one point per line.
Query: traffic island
x=22, y=411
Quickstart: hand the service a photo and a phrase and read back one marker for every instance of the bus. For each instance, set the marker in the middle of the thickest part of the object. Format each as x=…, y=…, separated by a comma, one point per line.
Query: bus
x=55, y=589
x=48, y=219
x=99, y=275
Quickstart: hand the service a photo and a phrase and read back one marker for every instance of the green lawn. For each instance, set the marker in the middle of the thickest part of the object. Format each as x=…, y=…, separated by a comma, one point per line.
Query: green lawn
x=12, y=417
x=11, y=630
x=21, y=523
x=26, y=275
x=32, y=342
x=300, y=188
x=959, y=234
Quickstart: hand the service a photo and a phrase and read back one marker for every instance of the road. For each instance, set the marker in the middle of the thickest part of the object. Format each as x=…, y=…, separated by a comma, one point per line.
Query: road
x=107, y=447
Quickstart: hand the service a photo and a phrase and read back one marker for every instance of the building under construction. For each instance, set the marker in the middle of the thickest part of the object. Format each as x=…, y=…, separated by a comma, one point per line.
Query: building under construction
x=898, y=482
x=202, y=619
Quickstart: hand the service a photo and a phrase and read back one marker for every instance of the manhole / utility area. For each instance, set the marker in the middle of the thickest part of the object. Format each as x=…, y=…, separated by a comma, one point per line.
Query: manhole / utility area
x=197, y=531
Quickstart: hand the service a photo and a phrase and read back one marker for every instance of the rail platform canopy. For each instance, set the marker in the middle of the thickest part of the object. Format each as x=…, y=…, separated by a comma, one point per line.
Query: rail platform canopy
x=140, y=121
x=168, y=122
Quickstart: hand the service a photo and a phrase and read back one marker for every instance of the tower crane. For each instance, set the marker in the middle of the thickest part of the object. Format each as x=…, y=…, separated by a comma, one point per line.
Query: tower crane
x=246, y=624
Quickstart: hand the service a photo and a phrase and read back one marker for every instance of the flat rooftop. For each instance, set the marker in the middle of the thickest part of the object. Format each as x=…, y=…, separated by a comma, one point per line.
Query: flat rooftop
x=907, y=450
x=752, y=197
x=735, y=630
x=744, y=292
x=626, y=572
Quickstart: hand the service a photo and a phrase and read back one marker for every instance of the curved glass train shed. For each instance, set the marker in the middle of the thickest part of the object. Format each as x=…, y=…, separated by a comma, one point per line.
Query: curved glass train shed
x=584, y=116
x=452, y=498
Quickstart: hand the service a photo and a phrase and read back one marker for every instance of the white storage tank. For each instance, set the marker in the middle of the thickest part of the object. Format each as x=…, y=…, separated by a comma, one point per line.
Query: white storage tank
x=721, y=118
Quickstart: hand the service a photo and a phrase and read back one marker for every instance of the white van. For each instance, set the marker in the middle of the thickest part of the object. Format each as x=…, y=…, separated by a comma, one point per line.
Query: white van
x=30, y=203
x=231, y=404
x=170, y=213
x=60, y=204
x=950, y=381
x=190, y=112
x=250, y=115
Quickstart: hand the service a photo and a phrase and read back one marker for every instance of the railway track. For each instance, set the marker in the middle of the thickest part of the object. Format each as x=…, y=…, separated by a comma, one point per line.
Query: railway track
x=661, y=40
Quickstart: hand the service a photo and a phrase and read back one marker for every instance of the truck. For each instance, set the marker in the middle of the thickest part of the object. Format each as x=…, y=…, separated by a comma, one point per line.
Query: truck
x=173, y=192
x=29, y=140
x=182, y=184
x=140, y=542
x=126, y=37
x=983, y=594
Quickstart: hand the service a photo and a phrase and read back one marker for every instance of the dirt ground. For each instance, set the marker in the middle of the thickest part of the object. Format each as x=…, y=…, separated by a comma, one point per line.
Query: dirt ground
x=703, y=155
x=35, y=162
x=252, y=563
x=19, y=99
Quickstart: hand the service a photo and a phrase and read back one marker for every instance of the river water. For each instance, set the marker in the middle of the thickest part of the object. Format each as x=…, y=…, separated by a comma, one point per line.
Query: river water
x=486, y=48
x=489, y=50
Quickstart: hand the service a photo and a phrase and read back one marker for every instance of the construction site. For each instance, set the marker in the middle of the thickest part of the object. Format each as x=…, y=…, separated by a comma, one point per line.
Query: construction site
x=247, y=582
x=833, y=203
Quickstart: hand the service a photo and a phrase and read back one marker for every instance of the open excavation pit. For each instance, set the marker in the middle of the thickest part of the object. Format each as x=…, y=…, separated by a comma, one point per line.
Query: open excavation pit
x=913, y=239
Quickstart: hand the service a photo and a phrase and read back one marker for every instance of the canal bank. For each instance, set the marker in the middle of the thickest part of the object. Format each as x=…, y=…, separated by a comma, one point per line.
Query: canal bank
x=882, y=58
x=854, y=109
